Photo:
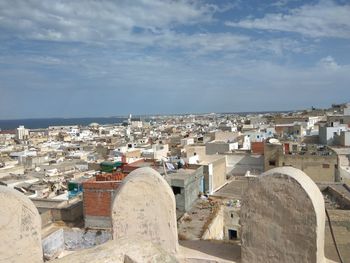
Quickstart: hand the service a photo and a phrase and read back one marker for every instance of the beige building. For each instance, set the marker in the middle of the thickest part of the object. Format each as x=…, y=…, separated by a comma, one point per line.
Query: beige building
x=214, y=170
x=319, y=164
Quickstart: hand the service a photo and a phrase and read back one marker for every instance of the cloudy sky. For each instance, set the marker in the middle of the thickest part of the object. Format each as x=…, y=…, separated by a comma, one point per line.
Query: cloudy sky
x=103, y=58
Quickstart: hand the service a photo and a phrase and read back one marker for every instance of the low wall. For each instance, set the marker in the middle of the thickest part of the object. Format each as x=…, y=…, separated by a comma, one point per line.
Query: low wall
x=340, y=198
x=215, y=229
x=72, y=213
x=71, y=240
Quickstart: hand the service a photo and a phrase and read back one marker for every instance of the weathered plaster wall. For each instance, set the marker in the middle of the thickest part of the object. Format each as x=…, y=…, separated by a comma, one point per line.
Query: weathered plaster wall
x=216, y=227
x=20, y=228
x=144, y=207
x=283, y=219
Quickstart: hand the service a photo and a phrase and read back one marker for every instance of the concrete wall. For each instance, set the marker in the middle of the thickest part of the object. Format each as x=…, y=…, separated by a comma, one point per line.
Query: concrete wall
x=231, y=221
x=190, y=188
x=326, y=134
x=343, y=174
x=216, y=147
x=318, y=168
x=344, y=138
x=195, y=149
x=239, y=164
x=225, y=136
x=57, y=210
x=338, y=118
x=46, y=216
x=218, y=175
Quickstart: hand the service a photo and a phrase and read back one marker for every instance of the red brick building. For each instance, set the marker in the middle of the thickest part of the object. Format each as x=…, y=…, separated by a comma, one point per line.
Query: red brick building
x=98, y=196
x=257, y=147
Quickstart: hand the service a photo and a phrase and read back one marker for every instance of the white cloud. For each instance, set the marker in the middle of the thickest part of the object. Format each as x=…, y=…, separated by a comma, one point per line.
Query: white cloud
x=325, y=19
x=129, y=24
x=96, y=20
x=329, y=63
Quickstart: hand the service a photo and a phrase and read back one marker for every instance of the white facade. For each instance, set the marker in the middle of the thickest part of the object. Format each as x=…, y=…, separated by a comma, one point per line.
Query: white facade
x=22, y=133
x=187, y=141
x=327, y=134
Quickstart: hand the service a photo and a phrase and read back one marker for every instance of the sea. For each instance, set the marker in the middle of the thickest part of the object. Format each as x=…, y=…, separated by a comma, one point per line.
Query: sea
x=45, y=123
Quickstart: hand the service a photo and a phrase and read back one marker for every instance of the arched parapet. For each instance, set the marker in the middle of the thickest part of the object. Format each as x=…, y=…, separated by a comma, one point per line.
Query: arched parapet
x=144, y=207
x=283, y=219
x=20, y=228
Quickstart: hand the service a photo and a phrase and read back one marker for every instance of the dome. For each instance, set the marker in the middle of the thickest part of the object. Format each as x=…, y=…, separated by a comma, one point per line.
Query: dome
x=94, y=124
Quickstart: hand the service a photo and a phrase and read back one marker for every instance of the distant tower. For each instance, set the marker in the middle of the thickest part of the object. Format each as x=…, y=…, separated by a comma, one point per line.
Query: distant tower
x=129, y=120
x=127, y=132
x=22, y=133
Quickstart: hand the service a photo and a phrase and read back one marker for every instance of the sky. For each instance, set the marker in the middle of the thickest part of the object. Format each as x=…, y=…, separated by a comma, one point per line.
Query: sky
x=73, y=58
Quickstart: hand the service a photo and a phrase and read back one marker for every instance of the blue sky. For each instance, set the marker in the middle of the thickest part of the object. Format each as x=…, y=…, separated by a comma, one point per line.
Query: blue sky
x=104, y=58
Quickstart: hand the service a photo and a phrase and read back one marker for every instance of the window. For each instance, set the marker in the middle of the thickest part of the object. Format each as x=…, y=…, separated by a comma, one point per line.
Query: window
x=325, y=165
x=272, y=163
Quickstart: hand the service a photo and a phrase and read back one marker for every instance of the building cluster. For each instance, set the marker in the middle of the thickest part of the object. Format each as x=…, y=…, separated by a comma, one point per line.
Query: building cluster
x=73, y=173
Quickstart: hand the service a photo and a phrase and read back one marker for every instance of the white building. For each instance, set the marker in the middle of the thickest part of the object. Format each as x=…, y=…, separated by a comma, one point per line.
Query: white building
x=22, y=133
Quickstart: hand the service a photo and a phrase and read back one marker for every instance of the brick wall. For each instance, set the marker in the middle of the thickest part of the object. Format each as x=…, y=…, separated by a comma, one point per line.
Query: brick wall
x=257, y=147
x=110, y=177
x=98, y=197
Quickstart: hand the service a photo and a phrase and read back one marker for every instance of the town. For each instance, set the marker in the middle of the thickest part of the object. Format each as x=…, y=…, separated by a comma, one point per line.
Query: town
x=72, y=174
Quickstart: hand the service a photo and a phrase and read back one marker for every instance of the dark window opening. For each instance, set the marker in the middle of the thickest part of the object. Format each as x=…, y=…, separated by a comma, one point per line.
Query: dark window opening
x=176, y=190
x=325, y=165
x=232, y=234
x=272, y=162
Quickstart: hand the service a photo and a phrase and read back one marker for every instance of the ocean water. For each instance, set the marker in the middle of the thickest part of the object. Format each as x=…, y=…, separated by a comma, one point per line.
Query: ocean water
x=44, y=123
